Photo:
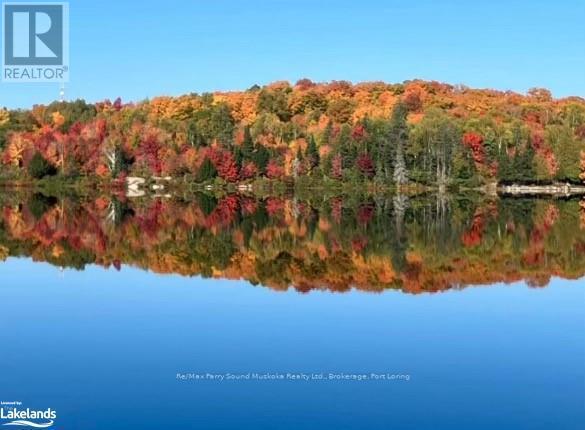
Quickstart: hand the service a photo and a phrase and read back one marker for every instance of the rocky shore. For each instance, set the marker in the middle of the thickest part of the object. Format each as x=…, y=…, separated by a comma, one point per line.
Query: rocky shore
x=551, y=189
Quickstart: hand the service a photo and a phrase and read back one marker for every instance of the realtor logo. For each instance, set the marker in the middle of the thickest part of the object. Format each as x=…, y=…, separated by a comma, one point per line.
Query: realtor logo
x=35, y=42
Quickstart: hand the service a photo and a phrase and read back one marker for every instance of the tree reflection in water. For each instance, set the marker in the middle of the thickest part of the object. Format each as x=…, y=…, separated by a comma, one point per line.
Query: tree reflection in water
x=421, y=244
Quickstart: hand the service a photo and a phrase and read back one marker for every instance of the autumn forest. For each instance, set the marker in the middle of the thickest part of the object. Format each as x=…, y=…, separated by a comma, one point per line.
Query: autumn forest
x=315, y=186
x=416, y=132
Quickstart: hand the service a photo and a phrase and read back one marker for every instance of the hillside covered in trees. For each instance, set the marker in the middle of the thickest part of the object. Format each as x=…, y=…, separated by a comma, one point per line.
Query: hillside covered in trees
x=392, y=134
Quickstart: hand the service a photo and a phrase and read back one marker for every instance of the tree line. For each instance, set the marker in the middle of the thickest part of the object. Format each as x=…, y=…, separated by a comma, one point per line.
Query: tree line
x=416, y=132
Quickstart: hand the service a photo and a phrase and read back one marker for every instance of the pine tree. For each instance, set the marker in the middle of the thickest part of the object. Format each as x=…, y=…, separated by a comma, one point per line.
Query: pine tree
x=312, y=153
x=327, y=134
x=505, y=173
x=523, y=165
x=346, y=148
x=247, y=147
x=207, y=171
x=238, y=156
x=39, y=167
x=261, y=157
x=463, y=164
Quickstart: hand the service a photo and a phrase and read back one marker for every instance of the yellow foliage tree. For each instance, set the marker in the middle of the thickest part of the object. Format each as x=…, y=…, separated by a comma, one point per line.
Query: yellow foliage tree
x=4, y=117
x=16, y=149
x=58, y=119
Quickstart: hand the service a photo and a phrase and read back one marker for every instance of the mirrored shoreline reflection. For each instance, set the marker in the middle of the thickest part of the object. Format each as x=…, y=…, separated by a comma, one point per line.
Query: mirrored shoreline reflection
x=412, y=244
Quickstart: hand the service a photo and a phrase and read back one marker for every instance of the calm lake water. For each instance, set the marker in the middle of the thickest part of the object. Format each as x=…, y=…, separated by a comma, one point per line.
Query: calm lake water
x=110, y=309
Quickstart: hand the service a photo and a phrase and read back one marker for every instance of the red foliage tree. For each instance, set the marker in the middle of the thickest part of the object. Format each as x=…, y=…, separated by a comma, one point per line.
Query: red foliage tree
x=365, y=214
x=473, y=236
x=336, y=204
x=359, y=243
x=148, y=152
x=228, y=169
x=337, y=167
x=274, y=170
x=366, y=166
x=249, y=205
x=274, y=205
x=536, y=140
x=224, y=213
x=304, y=84
x=101, y=128
x=358, y=132
x=412, y=99
x=225, y=164
x=474, y=142
x=248, y=170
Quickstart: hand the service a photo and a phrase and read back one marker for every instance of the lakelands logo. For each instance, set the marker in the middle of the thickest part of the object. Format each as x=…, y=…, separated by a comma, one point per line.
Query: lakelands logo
x=35, y=42
x=19, y=417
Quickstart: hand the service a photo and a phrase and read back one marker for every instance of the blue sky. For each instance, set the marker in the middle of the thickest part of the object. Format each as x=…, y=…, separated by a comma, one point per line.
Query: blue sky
x=142, y=49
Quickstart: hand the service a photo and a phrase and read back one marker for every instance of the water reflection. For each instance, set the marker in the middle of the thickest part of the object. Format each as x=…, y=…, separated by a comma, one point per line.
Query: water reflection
x=422, y=244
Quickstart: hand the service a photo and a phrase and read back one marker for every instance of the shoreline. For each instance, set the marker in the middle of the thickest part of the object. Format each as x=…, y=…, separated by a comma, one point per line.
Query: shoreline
x=553, y=189
x=137, y=187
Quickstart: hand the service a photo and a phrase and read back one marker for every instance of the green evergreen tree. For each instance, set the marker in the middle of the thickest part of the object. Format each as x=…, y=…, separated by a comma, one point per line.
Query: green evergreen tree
x=260, y=157
x=505, y=172
x=312, y=153
x=247, y=147
x=238, y=156
x=325, y=138
x=346, y=147
x=38, y=167
x=464, y=169
x=207, y=171
x=523, y=166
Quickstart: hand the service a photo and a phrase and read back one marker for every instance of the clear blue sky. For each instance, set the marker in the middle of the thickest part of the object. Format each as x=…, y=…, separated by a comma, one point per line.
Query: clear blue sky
x=139, y=49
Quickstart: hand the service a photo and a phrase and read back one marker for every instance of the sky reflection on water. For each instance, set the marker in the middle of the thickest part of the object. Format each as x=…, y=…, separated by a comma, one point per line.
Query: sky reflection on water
x=103, y=348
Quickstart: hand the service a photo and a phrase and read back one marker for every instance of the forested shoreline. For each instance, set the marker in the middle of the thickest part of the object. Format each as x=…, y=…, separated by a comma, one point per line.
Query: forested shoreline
x=414, y=133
